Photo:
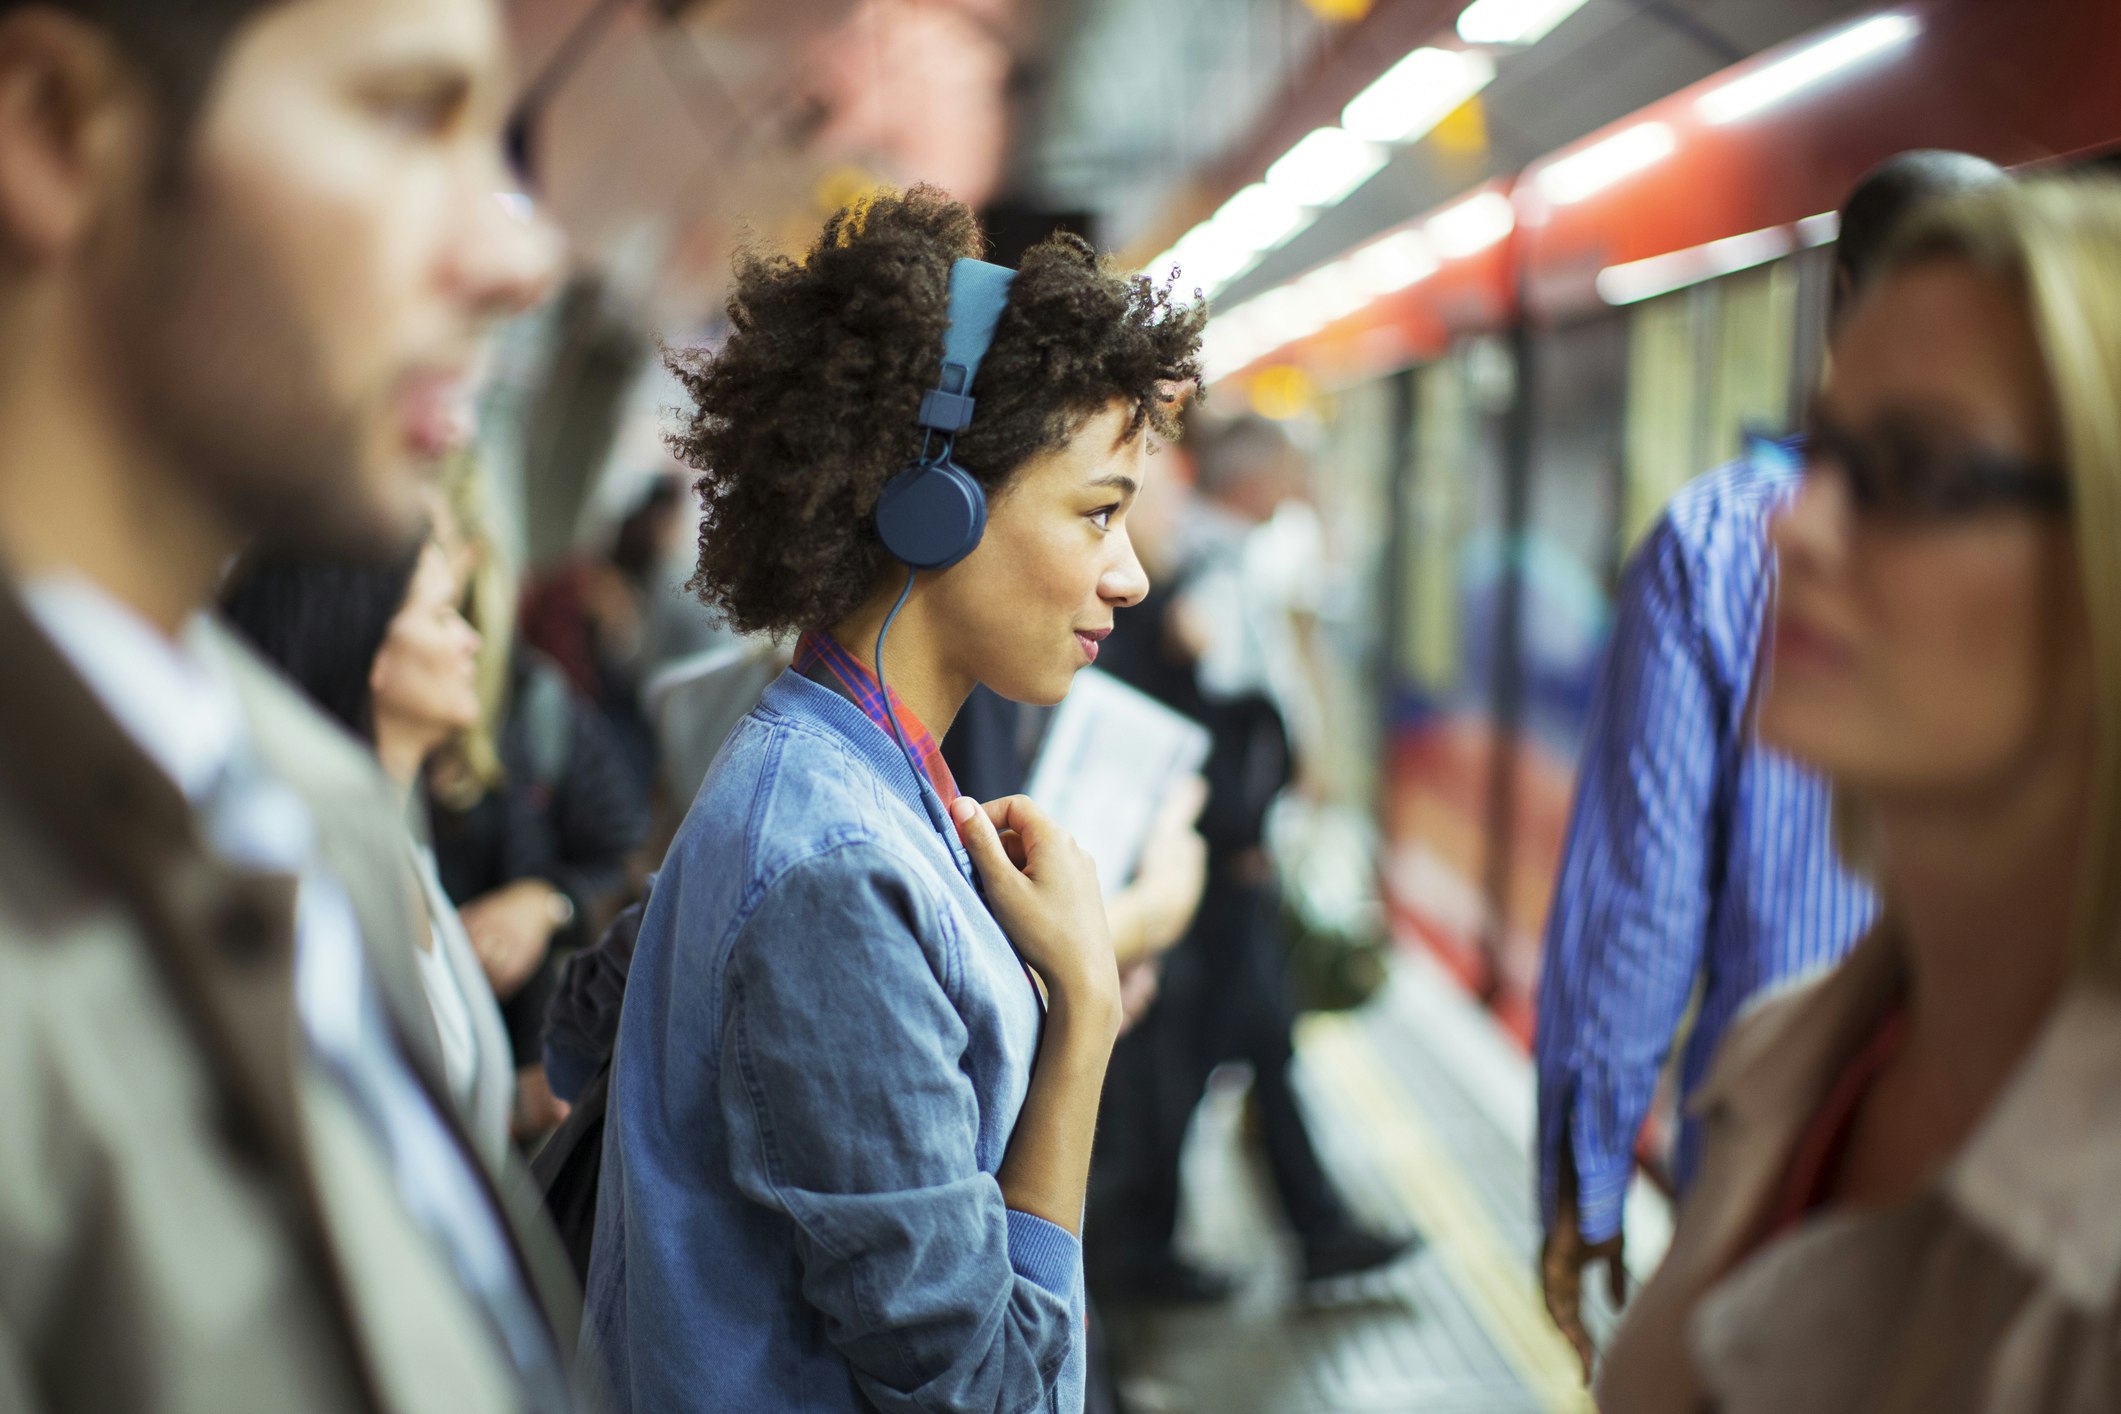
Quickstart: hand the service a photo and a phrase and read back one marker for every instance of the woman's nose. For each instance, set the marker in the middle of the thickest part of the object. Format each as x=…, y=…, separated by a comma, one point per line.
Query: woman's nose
x=1810, y=531
x=1125, y=583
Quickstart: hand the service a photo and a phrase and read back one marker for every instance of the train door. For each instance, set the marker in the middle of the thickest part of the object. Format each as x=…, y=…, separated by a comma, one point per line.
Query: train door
x=1449, y=501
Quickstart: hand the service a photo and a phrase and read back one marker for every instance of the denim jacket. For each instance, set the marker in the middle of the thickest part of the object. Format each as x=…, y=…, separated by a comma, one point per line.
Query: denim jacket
x=825, y=1043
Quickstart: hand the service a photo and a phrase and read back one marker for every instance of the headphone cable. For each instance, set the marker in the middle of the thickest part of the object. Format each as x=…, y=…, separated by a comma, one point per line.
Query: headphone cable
x=890, y=709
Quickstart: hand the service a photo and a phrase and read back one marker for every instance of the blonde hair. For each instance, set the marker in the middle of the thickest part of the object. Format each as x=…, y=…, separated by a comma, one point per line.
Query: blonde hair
x=469, y=767
x=2057, y=242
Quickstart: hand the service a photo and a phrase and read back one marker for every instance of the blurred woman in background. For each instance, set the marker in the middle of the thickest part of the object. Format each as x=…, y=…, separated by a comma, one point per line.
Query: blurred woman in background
x=1906, y=1197
x=534, y=811
x=385, y=652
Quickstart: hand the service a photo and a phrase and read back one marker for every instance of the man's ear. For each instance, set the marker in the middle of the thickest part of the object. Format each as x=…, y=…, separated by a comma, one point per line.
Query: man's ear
x=72, y=121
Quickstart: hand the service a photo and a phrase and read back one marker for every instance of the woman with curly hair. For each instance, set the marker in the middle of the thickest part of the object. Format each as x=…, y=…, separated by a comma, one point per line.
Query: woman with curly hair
x=858, y=1069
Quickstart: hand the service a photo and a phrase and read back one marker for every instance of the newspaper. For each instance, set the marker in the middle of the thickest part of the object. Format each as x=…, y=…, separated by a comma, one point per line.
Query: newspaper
x=1109, y=759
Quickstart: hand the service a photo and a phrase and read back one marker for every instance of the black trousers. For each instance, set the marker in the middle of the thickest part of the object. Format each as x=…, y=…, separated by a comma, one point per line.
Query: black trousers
x=1223, y=997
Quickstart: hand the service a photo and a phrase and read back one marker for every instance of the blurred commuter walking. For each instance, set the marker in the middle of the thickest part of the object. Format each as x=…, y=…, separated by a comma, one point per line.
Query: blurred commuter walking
x=1223, y=990
x=1695, y=858
x=1906, y=1191
x=245, y=249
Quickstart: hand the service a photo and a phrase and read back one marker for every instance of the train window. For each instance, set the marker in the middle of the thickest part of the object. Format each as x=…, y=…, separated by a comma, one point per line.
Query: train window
x=1437, y=514
x=1706, y=366
x=1750, y=388
x=1354, y=475
x=1660, y=441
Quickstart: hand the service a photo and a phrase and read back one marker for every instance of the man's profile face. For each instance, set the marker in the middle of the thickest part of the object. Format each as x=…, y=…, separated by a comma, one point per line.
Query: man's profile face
x=294, y=313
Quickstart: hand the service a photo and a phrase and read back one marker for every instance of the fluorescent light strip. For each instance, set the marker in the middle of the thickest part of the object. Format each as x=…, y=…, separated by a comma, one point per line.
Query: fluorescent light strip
x=1472, y=225
x=1513, y=21
x=1258, y=218
x=1662, y=274
x=1394, y=263
x=1335, y=291
x=1210, y=258
x=1324, y=166
x=1241, y=336
x=1592, y=170
x=1773, y=83
x=1409, y=99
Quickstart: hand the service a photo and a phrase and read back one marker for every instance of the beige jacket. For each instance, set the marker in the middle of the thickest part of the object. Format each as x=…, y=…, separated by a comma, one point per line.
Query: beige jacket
x=191, y=1216
x=1993, y=1290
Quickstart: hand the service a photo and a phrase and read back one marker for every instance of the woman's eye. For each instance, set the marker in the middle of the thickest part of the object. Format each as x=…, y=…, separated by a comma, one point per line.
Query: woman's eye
x=1102, y=517
x=421, y=109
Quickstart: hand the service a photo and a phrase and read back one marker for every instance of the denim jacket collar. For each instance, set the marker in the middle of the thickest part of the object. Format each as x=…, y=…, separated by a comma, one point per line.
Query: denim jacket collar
x=796, y=696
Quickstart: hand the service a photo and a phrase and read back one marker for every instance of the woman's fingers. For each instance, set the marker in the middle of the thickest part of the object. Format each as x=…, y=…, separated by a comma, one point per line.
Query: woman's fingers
x=983, y=841
x=1023, y=827
x=1019, y=813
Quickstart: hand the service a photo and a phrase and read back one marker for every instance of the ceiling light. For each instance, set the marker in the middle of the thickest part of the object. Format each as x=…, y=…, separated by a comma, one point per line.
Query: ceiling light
x=1282, y=316
x=1211, y=256
x=1605, y=162
x=1325, y=166
x=1393, y=263
x=1512, y=21
x=1662, y=274
x=1334, y=292
x=1259, y=218
x=1769, y=85
x=1416, y=94
x=1473, y=224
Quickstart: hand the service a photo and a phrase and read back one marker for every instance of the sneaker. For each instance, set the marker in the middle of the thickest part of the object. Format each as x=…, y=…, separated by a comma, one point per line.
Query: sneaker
x=1353, y=1251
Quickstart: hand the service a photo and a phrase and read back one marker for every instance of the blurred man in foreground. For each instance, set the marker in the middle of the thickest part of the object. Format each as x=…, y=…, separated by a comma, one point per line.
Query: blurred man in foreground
x=246, y=249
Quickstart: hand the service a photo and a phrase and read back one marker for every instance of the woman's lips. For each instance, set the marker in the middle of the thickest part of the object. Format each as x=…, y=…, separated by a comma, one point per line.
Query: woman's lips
x=1088, y=639
x=1798, y=645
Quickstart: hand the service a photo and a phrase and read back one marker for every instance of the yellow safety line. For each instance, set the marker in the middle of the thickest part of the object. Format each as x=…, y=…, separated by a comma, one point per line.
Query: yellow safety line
x=1499, y=1289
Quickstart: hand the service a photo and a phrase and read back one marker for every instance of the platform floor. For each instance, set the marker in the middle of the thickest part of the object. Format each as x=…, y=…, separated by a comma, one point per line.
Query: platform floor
x=1423, y=1112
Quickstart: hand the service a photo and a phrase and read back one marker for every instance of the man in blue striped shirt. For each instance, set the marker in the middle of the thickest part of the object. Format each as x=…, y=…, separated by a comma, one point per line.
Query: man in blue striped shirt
x=1695, y=858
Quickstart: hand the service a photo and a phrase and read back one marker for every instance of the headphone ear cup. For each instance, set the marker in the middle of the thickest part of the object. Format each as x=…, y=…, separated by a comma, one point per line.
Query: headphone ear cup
x=931, y=515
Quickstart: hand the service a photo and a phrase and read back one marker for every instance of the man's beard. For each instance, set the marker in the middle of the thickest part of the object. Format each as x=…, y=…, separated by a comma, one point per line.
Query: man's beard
x=232, y=389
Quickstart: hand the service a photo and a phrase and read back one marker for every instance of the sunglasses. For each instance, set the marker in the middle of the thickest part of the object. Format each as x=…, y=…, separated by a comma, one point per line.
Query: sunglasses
x=1905, y=477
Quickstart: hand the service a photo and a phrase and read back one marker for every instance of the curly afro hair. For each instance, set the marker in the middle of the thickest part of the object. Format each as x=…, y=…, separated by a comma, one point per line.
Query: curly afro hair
x=810, y=405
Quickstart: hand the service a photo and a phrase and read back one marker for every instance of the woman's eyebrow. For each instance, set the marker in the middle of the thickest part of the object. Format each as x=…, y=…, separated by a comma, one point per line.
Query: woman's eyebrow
x=1125, y=485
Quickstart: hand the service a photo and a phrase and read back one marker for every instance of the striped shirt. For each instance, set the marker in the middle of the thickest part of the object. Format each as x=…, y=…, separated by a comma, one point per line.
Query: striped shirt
x=1694, y=855
x=817, y=652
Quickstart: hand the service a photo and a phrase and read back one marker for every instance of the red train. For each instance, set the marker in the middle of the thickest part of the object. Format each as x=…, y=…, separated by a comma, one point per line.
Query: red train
x=1574, y=343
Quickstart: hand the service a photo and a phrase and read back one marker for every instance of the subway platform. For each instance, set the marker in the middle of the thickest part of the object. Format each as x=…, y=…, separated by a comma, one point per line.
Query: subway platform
x=1423, y=1110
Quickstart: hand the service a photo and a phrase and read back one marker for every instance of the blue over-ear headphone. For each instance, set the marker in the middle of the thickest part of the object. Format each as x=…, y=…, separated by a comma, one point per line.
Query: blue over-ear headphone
x=933, y=513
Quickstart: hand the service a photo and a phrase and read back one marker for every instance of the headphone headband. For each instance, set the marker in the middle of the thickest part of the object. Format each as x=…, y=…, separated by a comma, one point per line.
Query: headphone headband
x=978, y=294
x=932, y=514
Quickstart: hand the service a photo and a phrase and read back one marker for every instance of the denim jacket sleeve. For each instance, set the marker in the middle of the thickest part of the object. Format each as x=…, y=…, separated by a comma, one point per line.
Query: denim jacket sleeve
x=850, y=1113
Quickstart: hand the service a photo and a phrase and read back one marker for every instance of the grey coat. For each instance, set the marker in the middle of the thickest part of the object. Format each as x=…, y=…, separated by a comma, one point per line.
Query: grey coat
x=191, y=1216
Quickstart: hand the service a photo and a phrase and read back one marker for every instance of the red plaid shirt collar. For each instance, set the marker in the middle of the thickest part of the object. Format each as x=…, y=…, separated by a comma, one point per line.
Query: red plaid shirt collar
x=817, y=652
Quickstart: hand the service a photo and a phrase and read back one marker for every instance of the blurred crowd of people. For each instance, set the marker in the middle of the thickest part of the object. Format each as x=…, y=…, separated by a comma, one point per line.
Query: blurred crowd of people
x=394, y=950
